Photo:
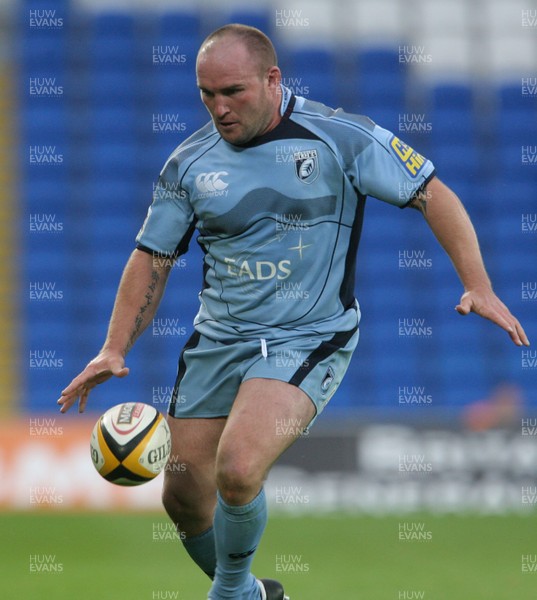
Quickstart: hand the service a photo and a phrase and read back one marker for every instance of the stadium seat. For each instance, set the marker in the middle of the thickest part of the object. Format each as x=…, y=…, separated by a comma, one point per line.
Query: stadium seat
x=508, y=227
x=305, y=22
x=510, y=54
x=43, y=88
x=452, y=125
x=115, y=195
x=440, y=18
x=45, y=124
x=155, y=151
x=50, y=160
x=177, y=53
x=371, y=23
x=43, y=249
x=45, y=358
x=503, y=21
x=440, y=57
x=381, y=92
x=516, y=197
x=498, y=17
x=261, y=19
x=175, y=88
x=114, y=238
x=312, y=59
x=379, y=80
x=179, y=25
x=114, y=158
x=456, y=160
x=58, y=6
x=311, y=72
x=383, y=226
x=315, y=86
x=373, y=61
x=517, y=125
x=465, y=374
x=521, y=96
x=112, y=87
x=389, y=373
x=452, y=96
x=116, y=54
x=518, y=161
x=117, y=123
x=44, y=49
x=46, y=196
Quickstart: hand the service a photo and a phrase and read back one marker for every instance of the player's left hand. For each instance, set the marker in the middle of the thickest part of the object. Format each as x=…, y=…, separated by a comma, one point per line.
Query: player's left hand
x=485, y=303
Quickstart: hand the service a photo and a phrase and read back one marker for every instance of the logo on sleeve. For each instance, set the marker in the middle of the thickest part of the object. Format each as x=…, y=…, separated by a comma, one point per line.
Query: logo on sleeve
x=407, y=156
x=306, y=165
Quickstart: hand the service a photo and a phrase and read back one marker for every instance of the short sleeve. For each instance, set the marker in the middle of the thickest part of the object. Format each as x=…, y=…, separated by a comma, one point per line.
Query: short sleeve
x=169, y=223
x=389, y=169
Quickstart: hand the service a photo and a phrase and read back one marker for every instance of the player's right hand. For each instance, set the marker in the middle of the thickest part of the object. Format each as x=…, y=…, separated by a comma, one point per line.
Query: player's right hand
x=100, y=369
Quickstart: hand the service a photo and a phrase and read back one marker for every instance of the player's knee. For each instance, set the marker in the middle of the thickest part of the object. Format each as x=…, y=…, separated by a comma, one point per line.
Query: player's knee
x=172, y=503
x=181, y=508
x=238, y=480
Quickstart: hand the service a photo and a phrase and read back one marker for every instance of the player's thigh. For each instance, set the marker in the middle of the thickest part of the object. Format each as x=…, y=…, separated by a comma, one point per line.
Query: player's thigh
x=268, y=415
x=190, y=473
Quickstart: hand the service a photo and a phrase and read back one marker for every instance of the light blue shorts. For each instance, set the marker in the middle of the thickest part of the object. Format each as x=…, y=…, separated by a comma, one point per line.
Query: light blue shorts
x=209, y=372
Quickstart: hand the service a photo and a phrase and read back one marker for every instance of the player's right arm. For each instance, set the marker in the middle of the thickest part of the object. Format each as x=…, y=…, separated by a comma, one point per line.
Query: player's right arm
x=140, y=291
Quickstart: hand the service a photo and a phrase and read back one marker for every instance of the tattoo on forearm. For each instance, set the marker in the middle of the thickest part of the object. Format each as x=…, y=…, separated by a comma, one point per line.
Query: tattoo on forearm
x=422, y=199
x=419, y=202
x=139, y=319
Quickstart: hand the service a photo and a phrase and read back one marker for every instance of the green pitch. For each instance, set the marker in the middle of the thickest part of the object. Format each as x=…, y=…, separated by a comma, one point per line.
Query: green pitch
x=54, y=556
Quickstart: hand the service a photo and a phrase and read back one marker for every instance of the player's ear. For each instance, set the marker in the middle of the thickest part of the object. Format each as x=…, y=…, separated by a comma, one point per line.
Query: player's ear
x=274, y=77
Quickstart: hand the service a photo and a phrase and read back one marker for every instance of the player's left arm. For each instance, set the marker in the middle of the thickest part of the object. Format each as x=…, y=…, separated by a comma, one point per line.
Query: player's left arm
x=452, y=227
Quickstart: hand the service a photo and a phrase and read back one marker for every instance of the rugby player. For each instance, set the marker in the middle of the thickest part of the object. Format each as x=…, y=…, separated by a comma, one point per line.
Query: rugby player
x=264, y=224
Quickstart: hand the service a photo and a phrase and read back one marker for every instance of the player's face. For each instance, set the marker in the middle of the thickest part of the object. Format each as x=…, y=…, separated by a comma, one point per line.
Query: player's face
x=243, y=102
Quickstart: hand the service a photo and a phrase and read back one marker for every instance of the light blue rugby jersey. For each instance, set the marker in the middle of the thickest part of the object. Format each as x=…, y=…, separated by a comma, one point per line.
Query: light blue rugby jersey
x=279, y=218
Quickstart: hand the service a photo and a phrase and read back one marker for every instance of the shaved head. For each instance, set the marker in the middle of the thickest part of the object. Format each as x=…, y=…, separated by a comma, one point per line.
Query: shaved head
x=257, y=44
x=239, y=82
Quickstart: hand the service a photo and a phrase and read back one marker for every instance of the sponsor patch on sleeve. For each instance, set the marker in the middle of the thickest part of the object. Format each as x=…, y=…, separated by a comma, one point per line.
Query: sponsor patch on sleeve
x=411, y=160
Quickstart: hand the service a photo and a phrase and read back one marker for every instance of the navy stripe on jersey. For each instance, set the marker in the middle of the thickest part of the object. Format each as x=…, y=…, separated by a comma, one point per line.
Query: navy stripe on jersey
x=264, y=203
x=323, y=351
x=192, y=342
x=346, y=292
x=285, y=130
x=146, y=249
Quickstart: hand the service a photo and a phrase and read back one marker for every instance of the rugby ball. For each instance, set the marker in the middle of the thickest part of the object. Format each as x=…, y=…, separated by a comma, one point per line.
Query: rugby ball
x=130, y=444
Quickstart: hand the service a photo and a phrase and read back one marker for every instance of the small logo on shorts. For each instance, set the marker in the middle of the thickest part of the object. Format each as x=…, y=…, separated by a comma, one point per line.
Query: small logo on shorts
x=327, y=380
x=306, y=165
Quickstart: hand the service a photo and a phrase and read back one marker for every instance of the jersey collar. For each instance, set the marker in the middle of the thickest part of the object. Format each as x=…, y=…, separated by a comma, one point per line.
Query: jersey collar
x=286, y=107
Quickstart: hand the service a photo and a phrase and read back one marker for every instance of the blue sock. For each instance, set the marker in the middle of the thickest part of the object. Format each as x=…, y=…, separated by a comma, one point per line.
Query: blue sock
x=202, y=551
x=238, y=531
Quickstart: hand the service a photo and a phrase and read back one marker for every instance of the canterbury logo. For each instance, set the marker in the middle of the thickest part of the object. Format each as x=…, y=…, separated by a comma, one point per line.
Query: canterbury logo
x=211, y=182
